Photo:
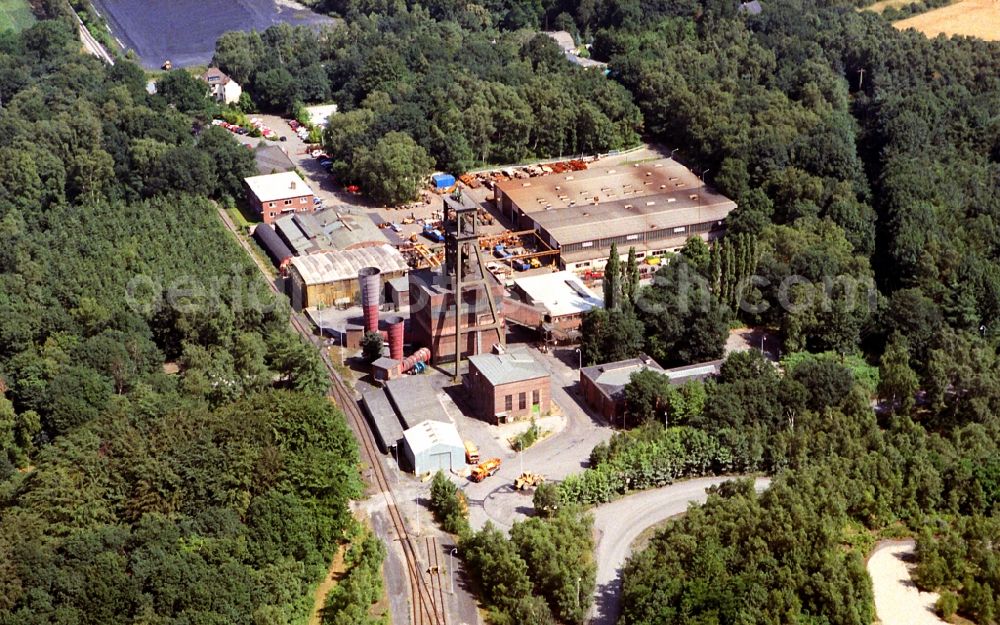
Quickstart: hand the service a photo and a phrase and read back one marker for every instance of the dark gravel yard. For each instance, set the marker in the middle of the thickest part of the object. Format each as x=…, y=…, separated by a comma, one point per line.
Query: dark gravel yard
x=184, y=31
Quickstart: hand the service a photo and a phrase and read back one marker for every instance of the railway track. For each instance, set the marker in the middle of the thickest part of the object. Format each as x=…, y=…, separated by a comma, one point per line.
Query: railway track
x=426, y=607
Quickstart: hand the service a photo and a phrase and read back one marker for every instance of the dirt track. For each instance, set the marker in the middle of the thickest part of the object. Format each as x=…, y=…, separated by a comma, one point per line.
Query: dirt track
x=897, y=600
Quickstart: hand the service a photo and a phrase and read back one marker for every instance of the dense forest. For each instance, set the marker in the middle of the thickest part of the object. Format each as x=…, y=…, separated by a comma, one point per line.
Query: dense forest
x=866, y=165
x=866, y=162
x=167, y=454
x=441, y=89
x=543, y=574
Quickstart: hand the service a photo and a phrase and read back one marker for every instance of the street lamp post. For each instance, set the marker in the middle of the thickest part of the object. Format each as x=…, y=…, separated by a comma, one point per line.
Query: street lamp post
x=579, y=359
x=578, y=593
x=451, y=567
x=672, y=152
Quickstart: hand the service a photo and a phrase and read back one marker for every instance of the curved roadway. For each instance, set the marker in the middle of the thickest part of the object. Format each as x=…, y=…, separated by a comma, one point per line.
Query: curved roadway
x=619, y=523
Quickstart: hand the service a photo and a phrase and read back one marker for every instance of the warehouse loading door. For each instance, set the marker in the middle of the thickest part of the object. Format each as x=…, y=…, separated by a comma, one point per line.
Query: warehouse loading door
x=440, y=461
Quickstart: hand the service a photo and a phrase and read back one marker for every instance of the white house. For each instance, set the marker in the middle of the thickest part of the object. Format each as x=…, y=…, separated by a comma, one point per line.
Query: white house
x=221, y=87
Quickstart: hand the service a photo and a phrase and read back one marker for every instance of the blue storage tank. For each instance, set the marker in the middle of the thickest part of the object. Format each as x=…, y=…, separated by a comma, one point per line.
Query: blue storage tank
x=443, y=181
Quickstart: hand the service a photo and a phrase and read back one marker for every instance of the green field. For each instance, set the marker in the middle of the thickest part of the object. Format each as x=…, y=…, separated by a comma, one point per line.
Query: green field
x=15, y=14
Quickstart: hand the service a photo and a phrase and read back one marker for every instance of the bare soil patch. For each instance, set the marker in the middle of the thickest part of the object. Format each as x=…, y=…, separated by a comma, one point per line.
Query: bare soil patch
x=974, y=18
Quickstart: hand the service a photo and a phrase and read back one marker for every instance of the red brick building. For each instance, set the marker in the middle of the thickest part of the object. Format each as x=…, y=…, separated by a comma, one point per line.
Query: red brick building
x=432, y=316
x=508, y=387
x=279, y=194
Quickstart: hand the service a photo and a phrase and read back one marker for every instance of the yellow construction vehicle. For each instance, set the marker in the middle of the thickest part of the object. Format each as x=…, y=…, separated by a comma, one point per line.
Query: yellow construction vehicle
x=485, y=469
x=528, y=480
x=471, y=453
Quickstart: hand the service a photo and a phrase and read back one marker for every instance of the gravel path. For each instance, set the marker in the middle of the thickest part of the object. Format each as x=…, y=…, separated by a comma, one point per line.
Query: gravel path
x=897, y=600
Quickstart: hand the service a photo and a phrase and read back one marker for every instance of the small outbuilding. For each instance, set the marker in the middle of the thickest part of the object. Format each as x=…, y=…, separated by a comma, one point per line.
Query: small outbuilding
x=433, y=445
x=563, y=297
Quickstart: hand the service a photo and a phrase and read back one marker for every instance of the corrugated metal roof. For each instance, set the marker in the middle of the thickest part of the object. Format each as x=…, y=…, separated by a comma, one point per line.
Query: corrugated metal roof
x=507, y=368
x=582, y=223
x=333, y=266
x=289, y=230
x=700, y=371
x=607, y=184
x=334, y=228
x=560, y=293
x=428, y=435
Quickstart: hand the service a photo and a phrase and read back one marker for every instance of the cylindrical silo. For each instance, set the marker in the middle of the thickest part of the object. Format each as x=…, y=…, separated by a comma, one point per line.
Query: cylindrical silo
x=371, y=286
x=395, y=324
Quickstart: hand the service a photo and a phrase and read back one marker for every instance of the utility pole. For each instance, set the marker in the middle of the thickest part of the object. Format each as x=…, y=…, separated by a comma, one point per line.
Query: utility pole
x=451, y=567
x=861, y=77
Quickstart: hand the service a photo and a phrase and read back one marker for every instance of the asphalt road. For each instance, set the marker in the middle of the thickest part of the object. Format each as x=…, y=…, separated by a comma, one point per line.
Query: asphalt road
x=618, y=524
x=555, y=457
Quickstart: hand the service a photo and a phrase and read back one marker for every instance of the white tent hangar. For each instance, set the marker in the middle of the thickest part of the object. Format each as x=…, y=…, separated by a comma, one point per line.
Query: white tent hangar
x=432, y=445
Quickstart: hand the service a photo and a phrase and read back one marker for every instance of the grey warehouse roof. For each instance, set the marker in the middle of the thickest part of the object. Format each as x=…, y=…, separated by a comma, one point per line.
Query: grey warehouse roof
x=612, y=377
x=581, y=223
x=272, y=159
x=333, y=266
x=383, y=416
x=415, y=400
x=507, y=368
x=334, y=228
